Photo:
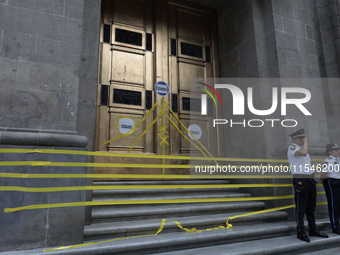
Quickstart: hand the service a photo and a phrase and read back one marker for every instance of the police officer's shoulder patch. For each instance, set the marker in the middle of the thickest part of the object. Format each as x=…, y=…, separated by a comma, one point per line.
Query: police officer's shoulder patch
x=292, y=147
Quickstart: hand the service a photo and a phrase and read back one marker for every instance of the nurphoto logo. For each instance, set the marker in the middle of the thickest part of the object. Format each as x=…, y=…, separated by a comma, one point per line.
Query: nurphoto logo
x=238, y=104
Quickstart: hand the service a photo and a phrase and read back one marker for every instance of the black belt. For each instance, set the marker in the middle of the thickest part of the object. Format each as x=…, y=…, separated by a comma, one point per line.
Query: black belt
x=303, y=176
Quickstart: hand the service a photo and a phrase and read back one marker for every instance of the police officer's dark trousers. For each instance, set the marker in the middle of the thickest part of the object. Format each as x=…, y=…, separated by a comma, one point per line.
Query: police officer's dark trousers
x=332, y=188
x=305, y=201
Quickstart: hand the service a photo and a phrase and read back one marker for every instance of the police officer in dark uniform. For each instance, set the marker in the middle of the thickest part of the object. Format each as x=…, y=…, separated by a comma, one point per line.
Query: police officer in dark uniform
x=330, y=178
x=304, y=185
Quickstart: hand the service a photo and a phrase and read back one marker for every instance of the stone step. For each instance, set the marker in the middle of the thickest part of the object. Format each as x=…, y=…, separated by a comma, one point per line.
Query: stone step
x=144, y=227
x=171, y=210
x=278, y=245
x=158, y=192
x=166, y=182
x=335, y=250
x=238, y=237
x=169, y=197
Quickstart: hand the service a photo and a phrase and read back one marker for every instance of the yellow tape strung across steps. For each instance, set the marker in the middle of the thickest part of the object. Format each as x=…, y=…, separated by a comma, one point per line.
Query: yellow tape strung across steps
x=228, y=225
x=259, y=212
x=123, y=187
x=80, y=164
x=142, y=176
x=93, y=243
x=271, y=210
x=190, y=230
x=158, y=231
x=128, y=202
x=152, y=156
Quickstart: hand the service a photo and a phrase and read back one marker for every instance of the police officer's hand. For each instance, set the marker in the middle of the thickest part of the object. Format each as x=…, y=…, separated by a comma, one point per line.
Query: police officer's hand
x=305, y=140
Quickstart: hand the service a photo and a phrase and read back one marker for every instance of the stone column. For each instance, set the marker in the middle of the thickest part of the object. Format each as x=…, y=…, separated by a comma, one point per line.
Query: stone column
x=272, y=39
x=48, y=85
x=327, y=30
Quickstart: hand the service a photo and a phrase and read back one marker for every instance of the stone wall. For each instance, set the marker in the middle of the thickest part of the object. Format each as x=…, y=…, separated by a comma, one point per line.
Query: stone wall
x=48, y=87
x=295, y=39
x=271, y=39
x=327, y=30
x=40, y=58
x=48, y=66
x=29, y=229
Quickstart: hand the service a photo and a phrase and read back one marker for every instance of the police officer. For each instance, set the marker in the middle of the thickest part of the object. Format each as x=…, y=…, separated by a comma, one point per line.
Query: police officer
x=304, y=185
x=330, y=178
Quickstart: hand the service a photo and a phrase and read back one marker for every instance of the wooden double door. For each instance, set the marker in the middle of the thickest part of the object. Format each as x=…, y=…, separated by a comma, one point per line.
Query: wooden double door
x=143, y=42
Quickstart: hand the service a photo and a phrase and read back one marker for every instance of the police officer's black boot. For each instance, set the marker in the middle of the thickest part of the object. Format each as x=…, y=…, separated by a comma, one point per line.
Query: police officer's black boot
x=336, y=231
x=303, y=236
x=317, y=233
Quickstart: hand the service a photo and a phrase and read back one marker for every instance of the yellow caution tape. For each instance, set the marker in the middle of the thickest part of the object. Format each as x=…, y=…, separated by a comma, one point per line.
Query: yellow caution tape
x=80, y=164
x=163, y=139
x=190, y=230
x=93, y=243
x=122, y=238
x=146, y=130
x=120, y=187
x=134, y=128
x=37, y=163
x=163, y=131
x=185, y=137
x=271, y=210
x=128, y=202
x=163, y=113
x=141, y=176
x=186, y=129
x=166, y=201
x=261, y=211
x=228, y=225
x=128, y=165
x=151, y=156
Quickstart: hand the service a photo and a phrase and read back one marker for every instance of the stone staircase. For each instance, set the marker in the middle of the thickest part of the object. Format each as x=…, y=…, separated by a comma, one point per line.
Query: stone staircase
x=131, y=220
x=268, y=233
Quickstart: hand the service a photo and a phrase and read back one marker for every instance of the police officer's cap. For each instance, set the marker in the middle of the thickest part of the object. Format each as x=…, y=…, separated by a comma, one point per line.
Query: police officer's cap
x=331, y=146
x=298, y=134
